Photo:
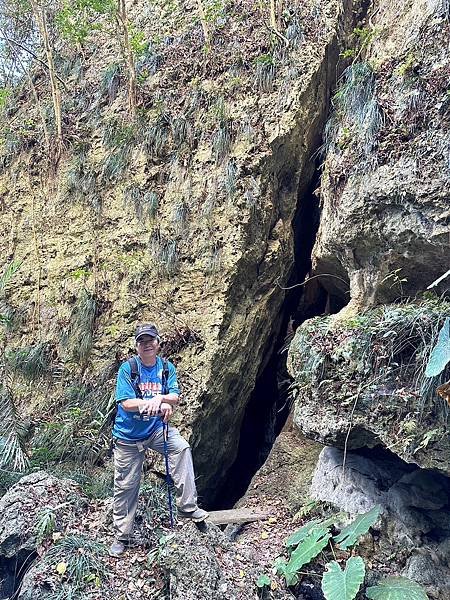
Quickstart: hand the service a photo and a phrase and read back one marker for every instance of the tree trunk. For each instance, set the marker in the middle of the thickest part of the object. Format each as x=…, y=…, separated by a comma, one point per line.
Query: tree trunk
x=39, y=14
x=124, y=38
x=202, y=15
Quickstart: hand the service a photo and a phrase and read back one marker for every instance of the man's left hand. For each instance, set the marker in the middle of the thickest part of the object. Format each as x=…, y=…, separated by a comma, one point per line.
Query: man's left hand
x=166, y=411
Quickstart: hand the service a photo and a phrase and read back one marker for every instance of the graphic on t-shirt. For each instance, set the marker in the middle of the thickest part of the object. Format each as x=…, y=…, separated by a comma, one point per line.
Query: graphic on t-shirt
x=150, y=389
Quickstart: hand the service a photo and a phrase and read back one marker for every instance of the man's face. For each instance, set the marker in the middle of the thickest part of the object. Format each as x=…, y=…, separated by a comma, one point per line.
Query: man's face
x=147, y=347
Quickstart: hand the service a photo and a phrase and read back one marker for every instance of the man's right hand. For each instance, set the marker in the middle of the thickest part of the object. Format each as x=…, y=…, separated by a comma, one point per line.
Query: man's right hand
x=166, y=411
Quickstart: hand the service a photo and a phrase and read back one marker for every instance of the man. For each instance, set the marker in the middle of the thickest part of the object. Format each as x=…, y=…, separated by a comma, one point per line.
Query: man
x=142, y=407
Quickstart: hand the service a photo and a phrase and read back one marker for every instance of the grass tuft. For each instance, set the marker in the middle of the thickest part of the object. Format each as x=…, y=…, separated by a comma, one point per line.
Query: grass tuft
x=165, y=255
x=181, y=131
x=110, y=83
x=294, y=33
x=214, y=260
x=180, y=215
x=81, y=180
x=265, y=73
x=33, y=362
x=83, y=557
x=156, y=136
x=151, y=204
x=230, y=179
x=14, y=432
x=80, y=335
x=357, y=117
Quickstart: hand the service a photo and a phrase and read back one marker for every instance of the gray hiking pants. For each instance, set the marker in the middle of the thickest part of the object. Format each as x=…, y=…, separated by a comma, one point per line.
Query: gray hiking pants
x=128, y=461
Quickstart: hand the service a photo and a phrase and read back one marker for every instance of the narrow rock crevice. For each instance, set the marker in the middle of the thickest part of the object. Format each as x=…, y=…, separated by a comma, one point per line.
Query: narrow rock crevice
x=269, y=404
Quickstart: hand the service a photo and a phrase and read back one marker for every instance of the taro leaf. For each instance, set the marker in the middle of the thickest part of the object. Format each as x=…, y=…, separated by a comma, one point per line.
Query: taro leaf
x=280, y=565
x=262, y=581
x=306, y=551
x=440, y=355
x=338, y=584
x=302, y=533
x=396, y=588
x=350, y=534
x=299, y=535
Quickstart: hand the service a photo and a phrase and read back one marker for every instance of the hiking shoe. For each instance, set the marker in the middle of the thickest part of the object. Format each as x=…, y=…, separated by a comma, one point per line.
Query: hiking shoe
x=198, y=515
x=116, y=549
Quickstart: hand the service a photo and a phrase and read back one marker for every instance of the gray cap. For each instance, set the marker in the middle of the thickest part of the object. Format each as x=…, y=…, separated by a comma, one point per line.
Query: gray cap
x=146, y=329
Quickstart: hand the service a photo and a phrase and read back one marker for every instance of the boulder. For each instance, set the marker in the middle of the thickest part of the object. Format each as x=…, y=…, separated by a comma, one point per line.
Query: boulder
x=22, y=505
x=22, y=509
x=360, y=382
x=413, y=534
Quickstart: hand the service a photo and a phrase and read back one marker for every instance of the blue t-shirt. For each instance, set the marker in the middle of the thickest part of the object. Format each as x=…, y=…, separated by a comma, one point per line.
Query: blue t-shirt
x=131, y=426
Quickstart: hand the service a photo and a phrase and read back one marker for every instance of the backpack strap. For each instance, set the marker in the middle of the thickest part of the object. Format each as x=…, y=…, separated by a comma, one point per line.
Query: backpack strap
x=135, y=376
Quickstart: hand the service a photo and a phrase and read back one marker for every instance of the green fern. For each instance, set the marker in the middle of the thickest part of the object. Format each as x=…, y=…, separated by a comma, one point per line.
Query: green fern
x=396, y=588
x=361, y=525
x=338, y=584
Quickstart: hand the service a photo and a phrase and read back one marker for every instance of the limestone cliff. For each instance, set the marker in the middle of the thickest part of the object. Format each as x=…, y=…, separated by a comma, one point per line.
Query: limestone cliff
x=183, y=215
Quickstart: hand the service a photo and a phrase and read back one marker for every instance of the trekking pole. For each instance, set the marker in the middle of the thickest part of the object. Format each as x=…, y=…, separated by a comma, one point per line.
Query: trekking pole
x=166, y=460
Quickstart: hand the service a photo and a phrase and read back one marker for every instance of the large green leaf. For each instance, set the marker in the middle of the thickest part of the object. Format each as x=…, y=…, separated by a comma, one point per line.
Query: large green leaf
x=350, y=534
x=396, y=588
x=440, y=355
x=302, y=533
x=306, y=551
x=343, y=585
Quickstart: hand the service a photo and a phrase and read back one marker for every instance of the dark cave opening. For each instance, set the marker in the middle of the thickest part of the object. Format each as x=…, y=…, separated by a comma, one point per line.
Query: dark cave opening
x=12, y=571
x=269, y=404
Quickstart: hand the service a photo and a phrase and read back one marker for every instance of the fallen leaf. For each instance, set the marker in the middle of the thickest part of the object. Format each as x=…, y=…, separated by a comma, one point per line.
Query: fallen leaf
x=61, y=568
x=264, y=535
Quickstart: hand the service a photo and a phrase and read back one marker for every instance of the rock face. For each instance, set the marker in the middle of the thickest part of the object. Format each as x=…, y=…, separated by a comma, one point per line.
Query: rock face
x=416, y=510
x=287, y=473
x=200, y=565
x=385, y=189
